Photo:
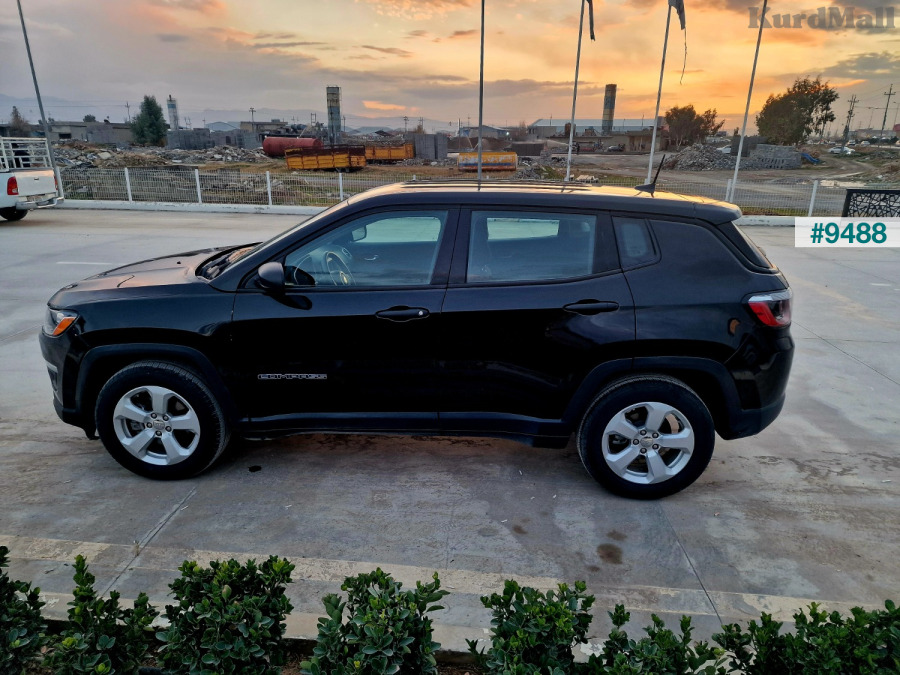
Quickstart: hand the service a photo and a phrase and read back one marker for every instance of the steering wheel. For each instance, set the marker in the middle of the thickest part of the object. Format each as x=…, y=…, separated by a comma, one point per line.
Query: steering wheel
x=337, y=269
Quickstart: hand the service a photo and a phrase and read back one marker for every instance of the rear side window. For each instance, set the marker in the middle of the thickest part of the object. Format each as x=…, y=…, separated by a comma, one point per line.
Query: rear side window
x=636, y=246
x=513, y=245
x=745, y=245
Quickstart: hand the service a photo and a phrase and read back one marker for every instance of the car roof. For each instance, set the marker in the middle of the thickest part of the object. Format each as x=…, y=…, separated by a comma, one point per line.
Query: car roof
x=546, y=194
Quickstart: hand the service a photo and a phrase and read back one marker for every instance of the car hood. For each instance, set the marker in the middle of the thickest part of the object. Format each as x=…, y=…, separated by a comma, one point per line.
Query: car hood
x=164, y=275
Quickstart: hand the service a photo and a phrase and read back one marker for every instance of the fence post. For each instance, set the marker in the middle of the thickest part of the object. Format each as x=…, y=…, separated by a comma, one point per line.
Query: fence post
x=269, y=187
x=62, y=192
x=728, y=190
x=812, y=199
x=197, y=180
x=341, y=186
x=128, y=184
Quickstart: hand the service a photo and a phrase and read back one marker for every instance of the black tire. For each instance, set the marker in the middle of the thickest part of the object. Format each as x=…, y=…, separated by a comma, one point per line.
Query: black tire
x=628, y=404
x=12, y=214
x=166, y=394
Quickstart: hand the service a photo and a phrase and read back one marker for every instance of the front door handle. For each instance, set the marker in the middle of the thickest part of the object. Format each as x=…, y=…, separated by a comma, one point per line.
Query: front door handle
x=591, y=307
x=403, y=313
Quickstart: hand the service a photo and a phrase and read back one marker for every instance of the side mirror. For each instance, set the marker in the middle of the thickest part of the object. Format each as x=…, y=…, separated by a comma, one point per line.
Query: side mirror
x=271, y=277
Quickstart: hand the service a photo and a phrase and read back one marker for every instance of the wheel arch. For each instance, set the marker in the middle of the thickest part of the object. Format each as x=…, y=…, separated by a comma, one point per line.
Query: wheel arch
x=709, y=379
x=101, y=363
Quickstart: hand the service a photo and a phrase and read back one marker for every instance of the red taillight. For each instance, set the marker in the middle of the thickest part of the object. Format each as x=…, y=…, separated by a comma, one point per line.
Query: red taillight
x=773, y=309
x=12, y=186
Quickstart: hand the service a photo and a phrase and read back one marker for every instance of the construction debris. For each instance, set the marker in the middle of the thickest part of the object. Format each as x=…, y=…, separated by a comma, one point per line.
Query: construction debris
x=83, y=155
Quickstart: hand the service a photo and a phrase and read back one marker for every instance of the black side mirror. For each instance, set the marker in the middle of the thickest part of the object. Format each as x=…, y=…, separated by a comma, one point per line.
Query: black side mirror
x=271, y=277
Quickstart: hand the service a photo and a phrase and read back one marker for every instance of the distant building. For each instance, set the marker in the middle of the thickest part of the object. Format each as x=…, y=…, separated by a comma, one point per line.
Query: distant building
x=547, y=128
x=103, y=133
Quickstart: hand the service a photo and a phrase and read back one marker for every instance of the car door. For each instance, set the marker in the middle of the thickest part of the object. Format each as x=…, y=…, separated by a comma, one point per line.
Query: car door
x=353, y=335
x=536, y=300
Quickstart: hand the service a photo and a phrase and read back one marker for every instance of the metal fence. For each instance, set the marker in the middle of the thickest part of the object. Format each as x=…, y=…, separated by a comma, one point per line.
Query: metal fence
x=780, y=196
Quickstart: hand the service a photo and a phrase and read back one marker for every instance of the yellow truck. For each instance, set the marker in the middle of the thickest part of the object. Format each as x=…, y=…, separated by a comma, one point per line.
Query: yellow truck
x=389, y=153
x=490, y=161
x=334, y=158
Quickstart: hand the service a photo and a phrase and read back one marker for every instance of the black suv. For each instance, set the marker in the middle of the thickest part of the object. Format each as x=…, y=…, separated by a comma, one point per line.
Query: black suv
x=643, y=324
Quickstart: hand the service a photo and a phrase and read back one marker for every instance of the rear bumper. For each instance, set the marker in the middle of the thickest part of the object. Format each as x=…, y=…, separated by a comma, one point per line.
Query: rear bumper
x=29, y=205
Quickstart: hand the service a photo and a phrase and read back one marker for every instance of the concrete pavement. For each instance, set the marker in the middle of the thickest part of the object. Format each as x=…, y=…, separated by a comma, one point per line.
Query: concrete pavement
x=806, y=510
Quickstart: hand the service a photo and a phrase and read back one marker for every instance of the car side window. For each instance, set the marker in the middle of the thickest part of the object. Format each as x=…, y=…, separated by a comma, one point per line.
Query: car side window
x=514, y=245
x=397, y=248
x=635, y=243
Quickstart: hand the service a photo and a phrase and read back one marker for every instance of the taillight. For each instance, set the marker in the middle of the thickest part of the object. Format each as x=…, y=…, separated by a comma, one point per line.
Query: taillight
x=12, y=186
x=773, y=309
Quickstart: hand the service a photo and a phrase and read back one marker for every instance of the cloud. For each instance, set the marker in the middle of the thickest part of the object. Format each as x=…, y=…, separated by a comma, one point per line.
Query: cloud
x=417, y=33
x=172, y=37
x=393, y=51
x=274, y=36
x=202, y=6
x=417, y=9
x=457, y=34
x=866, y=66
x=378, y=105
x=285, y=45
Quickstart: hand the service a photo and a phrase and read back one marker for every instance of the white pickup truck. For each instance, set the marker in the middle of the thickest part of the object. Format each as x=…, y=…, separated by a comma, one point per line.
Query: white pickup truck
x=27, y=180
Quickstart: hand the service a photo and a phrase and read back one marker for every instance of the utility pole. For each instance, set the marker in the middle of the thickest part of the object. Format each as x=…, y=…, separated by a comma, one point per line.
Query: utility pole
x=405, y=124
x=853, y=101
x=37, y=91
x=128, y=111
x=252, y=110
x=888, y=93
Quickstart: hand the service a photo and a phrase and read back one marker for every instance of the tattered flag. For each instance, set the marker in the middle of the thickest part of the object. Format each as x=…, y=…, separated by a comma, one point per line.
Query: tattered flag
x=679, y=7
x=591, y=18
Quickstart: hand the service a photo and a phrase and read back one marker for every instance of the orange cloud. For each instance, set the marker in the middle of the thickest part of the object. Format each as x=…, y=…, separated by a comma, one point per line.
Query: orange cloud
x=378, y=105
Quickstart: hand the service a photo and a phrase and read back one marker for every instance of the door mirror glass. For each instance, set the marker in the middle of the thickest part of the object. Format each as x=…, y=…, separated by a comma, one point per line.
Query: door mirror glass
x=359, y=233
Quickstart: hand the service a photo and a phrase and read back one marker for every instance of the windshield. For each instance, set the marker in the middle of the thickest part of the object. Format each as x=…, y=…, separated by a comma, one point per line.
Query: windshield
x=215, y=266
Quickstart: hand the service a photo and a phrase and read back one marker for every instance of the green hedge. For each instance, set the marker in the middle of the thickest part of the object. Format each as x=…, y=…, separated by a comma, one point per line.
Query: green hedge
x=228, y=619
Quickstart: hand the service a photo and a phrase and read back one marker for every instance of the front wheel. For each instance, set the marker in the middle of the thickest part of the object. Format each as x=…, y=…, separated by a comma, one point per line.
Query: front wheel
x=12, y=214
x=646, y=437
x=161, y=421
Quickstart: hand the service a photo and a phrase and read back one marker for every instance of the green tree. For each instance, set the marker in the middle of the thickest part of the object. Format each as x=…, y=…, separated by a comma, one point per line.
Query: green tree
x=804, y=109
x=18, y=125
x=149, y=125
x=684, y=124
x=708, y=124
x=89, y=118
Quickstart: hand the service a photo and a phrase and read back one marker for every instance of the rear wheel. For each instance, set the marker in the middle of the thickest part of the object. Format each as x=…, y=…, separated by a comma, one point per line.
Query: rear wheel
x=646, y=437
x=12, y=214
x=161, y=421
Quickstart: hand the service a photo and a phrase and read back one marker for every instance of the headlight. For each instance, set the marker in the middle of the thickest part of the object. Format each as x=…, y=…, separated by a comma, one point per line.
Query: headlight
x=57, y=321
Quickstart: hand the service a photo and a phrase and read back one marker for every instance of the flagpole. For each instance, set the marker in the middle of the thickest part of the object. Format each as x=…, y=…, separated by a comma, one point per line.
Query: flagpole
x=729, y=197
x=662, y=70
x=481, y=92
x=575, y=95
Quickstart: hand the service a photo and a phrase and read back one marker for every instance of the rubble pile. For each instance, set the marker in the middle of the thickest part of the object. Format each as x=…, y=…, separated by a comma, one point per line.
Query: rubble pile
x=700, y=158
x=84, y=155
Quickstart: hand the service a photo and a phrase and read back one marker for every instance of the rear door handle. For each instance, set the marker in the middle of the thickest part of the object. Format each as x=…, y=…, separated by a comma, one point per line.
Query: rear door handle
x=591, y=307
x=403, y=313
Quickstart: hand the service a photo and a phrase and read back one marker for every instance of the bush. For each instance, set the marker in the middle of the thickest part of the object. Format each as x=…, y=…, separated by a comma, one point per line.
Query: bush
x=387, y=631
x=21, y=624
x=863, y=643
x=101, y=637
x=229, y=618
x=533, y=632
x=662, y=651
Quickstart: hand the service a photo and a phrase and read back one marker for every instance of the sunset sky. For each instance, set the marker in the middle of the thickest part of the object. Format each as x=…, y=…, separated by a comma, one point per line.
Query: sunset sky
x=420, y=58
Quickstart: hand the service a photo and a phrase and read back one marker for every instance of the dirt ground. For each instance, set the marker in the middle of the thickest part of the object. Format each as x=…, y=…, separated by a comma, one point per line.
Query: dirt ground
x=867, y=164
